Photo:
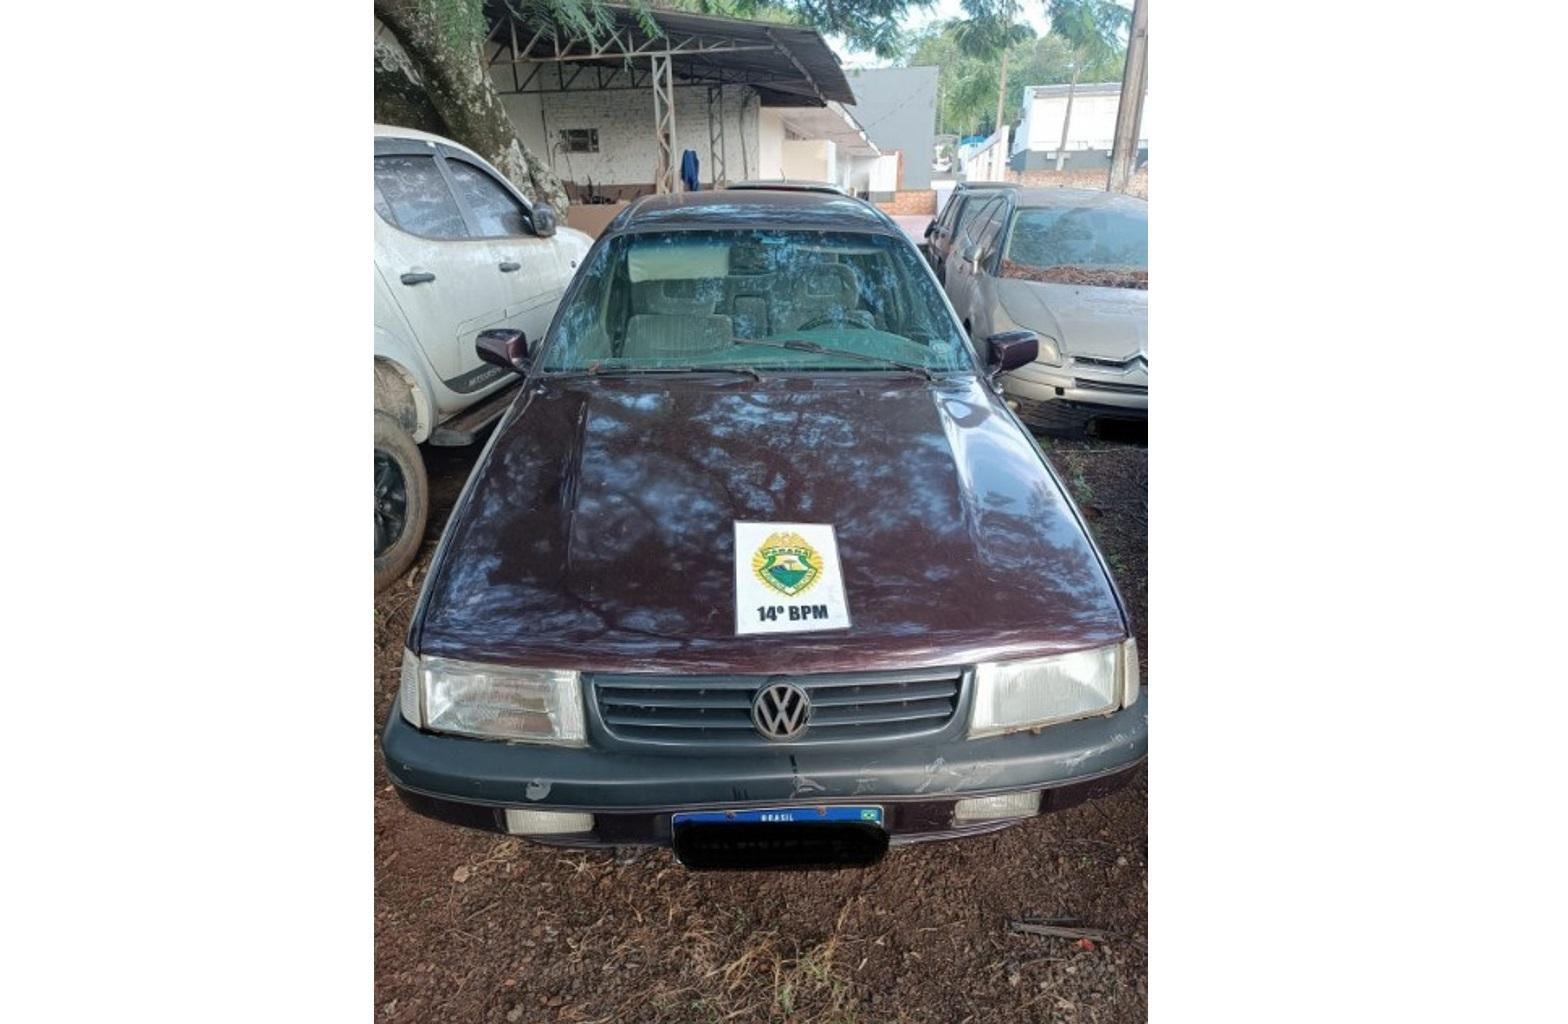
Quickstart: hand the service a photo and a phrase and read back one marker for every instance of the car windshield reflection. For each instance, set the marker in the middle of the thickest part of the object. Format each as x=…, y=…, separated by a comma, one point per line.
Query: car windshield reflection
x=753, y=299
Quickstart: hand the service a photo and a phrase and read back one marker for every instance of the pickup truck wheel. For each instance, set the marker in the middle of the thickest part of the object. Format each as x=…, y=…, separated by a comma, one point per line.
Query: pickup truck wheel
x=402, y=500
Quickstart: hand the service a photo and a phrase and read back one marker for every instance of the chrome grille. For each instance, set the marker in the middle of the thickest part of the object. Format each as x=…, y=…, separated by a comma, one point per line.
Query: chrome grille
x=1109, y=385
x=1115, y=364
x=849, y=707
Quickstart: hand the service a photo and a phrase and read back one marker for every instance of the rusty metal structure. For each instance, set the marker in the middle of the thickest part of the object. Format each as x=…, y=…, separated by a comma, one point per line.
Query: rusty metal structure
x=787, y=65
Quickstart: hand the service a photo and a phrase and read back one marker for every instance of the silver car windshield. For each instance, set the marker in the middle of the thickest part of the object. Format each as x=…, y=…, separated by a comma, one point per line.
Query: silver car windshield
x=692, y=299
x=1089, y=245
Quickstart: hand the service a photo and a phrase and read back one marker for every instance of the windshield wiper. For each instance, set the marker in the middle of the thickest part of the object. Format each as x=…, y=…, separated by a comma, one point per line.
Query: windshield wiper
x=817, y=348
x=595, y=370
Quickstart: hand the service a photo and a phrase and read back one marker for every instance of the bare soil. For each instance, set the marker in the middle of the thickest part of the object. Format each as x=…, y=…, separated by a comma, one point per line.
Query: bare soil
x=476, y=927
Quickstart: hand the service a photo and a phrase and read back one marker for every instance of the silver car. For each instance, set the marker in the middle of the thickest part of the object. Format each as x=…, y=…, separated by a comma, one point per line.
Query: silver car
x=1071, y=265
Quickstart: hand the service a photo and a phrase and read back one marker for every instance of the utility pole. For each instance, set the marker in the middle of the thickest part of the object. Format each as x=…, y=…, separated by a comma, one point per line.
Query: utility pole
x=1001, y=90
x=1129, y=111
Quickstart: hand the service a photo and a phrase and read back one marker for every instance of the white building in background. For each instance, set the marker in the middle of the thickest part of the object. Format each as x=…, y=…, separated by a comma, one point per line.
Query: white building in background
x=1090, y=132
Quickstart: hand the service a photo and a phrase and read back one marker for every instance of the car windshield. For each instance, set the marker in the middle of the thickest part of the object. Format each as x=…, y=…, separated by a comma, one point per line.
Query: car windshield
x=755, y=300
x=1079, y=245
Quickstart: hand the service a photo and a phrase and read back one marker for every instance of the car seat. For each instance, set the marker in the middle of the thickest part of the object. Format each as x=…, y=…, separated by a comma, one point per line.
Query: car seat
x=823, y=289
x=667, y=336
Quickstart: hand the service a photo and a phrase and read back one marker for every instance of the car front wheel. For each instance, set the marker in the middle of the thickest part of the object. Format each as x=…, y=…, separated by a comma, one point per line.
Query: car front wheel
x=402, y=500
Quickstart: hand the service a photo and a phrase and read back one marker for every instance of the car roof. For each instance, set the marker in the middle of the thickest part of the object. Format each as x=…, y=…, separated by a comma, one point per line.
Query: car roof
x=389, y=131
x=753, y=208
x=790, y=185
x=1078, y=197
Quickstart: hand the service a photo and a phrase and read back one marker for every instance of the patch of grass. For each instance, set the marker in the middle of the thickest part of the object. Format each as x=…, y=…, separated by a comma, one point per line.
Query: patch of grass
x=1081, y=489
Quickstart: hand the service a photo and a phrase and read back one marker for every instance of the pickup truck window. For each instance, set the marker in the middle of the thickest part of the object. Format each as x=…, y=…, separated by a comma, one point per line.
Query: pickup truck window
x=411, y=187
x=499, y=215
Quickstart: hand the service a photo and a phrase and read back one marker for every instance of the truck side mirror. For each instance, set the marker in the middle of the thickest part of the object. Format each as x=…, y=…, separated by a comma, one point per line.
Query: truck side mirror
x=543, y=218
x=1010, y=350
x=504, y=348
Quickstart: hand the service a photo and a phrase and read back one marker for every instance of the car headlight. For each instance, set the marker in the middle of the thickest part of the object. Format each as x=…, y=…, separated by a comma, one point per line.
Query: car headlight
x=1015, y=695
x=536, y=705
x=1049, y=352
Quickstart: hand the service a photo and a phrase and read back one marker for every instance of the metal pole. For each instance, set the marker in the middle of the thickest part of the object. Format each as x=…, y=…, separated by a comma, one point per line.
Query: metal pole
x=664, y=124
x=1129, y=111
x=716, y=135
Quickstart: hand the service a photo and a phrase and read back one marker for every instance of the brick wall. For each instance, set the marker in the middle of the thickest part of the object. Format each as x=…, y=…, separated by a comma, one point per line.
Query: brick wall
x=1138, y=185
x=911, y=203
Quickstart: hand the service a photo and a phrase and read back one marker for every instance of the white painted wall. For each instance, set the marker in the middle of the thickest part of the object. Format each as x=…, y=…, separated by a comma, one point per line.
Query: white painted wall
x=770, y=144
x=1093, y=124
x=809, y=160
x=624, y=118
x=884, y=172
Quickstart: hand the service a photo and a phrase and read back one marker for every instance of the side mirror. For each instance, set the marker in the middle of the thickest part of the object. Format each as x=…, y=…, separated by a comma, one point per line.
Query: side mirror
x=543, y=218
x=503, y=348
x=931, y=229
x=971, y=256
x=1010, y=350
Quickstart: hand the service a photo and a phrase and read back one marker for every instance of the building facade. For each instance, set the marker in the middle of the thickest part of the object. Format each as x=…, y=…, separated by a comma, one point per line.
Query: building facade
x=1090, y=132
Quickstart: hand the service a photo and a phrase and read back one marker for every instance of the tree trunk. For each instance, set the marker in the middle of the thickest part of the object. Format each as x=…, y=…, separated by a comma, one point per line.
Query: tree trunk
x=400, y=98
x=1067, y=115
x=460, y=92
x=1001, y=91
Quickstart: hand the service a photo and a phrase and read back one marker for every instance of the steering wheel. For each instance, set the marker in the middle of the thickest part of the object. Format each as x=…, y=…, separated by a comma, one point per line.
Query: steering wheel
x=836, y=317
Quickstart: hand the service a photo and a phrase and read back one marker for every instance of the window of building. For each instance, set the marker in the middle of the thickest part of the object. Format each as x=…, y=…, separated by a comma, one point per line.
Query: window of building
x=580, y=140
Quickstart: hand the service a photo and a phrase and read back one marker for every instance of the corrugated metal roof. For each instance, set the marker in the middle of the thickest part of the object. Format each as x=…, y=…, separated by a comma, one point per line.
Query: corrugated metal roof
x=795, y=69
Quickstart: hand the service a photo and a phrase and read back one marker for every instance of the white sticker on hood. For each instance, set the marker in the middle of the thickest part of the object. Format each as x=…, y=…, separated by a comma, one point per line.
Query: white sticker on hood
x=787, y=578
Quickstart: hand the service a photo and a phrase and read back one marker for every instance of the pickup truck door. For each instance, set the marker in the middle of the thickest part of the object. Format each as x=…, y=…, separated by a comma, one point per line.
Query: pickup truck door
x=445, y=280
x=530, y=269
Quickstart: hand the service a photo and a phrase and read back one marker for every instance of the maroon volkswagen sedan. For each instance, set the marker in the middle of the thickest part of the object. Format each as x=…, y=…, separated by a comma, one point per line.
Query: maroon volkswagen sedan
x=759, y=565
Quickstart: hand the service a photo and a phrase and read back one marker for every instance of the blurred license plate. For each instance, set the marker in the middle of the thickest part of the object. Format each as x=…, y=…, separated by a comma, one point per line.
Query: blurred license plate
x=782, y=816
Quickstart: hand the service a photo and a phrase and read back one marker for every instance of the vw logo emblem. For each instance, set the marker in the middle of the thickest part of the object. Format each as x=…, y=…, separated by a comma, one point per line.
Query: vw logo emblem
x=780, y=711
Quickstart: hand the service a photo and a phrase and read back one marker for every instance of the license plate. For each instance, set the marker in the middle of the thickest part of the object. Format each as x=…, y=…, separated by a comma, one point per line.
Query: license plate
x=782, y=816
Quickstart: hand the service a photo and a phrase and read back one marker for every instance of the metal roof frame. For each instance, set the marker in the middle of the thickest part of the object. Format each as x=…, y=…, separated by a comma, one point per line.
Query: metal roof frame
x=786, y=64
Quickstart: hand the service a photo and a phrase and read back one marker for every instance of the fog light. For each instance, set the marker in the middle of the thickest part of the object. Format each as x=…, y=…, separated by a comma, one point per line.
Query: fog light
x=545, y=823
x=1007, y=805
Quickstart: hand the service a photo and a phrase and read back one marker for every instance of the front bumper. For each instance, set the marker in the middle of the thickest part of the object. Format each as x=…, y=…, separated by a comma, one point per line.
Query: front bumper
x=1050, y=397
x=631, y=795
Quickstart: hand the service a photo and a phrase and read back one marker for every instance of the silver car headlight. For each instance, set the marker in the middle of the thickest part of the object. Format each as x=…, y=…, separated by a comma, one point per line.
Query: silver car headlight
x=1049, y=352
x=499, y=702
x=1015, y=695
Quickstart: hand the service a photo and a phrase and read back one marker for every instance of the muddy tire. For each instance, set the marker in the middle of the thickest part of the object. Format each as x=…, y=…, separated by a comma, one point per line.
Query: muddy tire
x=402, y=500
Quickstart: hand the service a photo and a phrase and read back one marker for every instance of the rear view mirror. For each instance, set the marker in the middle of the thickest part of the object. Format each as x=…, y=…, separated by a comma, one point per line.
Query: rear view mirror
x=1010, y=350
x=503, y=348
x=543, y=218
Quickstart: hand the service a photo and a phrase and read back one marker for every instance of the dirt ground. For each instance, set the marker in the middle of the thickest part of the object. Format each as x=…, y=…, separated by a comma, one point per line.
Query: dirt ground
x=475, y=927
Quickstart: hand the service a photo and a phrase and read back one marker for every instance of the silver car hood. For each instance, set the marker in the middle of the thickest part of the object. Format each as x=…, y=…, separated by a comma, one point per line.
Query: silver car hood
x=1104, y=323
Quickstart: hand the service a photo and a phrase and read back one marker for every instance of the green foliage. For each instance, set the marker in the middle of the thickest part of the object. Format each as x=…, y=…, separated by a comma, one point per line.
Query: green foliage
x=874, y=25
x=969, y=59
x=967, y=85
x=1093, y=28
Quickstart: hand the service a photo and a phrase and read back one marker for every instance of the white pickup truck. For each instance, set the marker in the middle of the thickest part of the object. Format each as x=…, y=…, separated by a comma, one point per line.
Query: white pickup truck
x=458, y=252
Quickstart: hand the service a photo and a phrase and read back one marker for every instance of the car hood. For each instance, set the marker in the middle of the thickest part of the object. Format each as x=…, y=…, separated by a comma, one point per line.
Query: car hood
x=1106, y=323
x=597, y=533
